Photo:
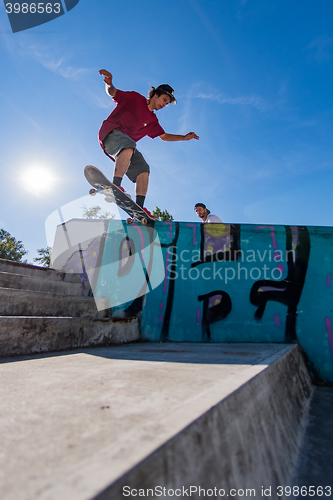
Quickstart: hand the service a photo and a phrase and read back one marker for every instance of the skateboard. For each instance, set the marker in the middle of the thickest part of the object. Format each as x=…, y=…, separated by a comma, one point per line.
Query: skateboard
x=115, y=195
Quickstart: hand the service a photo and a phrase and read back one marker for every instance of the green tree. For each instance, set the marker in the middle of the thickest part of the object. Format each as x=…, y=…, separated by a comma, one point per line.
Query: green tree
x=94, y=213
x=10, y=247
x=163, y=215
x=44, y=256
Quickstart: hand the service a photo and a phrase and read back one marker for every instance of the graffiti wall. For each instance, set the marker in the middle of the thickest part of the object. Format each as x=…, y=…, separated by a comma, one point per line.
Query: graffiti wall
x=198, y=282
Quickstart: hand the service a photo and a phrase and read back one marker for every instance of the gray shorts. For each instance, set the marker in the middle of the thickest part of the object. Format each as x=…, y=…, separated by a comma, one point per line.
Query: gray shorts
x=115, y=142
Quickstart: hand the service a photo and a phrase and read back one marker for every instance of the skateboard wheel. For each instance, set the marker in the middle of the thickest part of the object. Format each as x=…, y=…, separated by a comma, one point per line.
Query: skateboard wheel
x=109, y=200
x=129, y=221
x=92, y=192
x=107, y=189
x=144, y=221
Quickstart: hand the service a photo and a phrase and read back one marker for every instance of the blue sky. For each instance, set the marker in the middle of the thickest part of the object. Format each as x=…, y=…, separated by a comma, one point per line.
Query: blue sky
x=253, y=78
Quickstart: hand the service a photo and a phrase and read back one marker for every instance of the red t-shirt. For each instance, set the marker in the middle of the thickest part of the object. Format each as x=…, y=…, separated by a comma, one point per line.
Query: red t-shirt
x=132, y=117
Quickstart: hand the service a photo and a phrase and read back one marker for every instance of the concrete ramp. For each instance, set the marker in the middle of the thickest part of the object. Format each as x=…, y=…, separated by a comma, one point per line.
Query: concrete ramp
x=117, y=422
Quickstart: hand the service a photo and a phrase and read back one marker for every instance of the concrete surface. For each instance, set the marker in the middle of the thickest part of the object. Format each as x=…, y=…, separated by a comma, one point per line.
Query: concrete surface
x=25, y=335
x=10, y=266
x=81, y=425
x=315, y=464
x=40, y=284
x=15, y=302
x=41, y=310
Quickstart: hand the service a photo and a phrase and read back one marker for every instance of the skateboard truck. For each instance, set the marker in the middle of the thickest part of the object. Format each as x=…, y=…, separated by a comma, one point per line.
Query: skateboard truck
x=106, y=190
x=132, y=220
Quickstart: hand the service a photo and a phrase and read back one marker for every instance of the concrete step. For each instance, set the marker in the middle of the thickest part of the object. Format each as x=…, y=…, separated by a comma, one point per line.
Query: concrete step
x=9, y=266
x=153, y=415
x=30, y=334
x=38, y=284
x=29, y=303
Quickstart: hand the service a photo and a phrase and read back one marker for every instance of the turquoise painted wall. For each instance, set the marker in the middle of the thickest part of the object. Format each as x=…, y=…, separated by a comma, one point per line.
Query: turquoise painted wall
x=223, y=283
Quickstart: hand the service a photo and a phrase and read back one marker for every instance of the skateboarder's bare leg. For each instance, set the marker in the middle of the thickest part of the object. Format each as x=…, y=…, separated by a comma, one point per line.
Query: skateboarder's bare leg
x=141, y=187
x=122, y=163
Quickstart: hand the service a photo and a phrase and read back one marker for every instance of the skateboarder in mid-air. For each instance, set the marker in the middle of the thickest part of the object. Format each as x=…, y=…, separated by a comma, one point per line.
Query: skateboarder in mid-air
x=132, y=119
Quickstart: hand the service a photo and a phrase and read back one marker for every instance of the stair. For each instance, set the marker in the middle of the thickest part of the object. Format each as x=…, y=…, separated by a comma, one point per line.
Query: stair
x=44, y=310
x=23, y=269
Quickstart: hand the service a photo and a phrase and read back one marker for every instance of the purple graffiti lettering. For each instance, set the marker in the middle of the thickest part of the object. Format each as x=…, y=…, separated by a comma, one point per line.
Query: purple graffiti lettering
x=329, y=335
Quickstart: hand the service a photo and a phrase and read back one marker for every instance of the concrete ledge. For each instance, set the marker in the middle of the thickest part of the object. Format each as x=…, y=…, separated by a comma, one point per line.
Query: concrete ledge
x=146, y=415
x=38, y=284
x=10, y=266
x=15, y=302
x=249, y=440
x=34, y=334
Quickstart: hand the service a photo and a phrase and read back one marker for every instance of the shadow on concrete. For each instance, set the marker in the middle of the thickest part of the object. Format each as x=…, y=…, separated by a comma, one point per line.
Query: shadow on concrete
x=314, y=466
x=171, y=352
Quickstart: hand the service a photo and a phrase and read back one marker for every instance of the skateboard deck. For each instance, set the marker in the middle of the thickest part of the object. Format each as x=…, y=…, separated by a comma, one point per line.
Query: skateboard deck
x=113, y=194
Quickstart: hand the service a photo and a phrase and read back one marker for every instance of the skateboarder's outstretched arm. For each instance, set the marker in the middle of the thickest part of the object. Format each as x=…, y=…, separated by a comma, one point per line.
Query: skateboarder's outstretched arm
x=178, y=137
x=109, y=87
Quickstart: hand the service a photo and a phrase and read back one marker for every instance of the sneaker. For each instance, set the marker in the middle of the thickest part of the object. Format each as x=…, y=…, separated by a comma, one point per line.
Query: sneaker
x=150, y=214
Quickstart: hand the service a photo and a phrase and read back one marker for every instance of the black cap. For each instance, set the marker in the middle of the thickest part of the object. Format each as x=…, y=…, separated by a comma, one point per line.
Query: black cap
x=166, y=89
x=199, y=205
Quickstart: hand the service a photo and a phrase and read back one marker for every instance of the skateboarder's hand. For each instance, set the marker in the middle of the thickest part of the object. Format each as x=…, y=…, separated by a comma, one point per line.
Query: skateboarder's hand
x=107, y=76
x=109, y=87
x=191, y=135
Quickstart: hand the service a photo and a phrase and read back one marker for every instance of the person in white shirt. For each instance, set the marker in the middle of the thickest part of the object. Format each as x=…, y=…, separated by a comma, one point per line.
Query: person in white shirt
x=204, y=214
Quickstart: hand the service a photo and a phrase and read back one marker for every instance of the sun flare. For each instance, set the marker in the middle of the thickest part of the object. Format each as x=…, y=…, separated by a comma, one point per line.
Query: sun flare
x=38, y=180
